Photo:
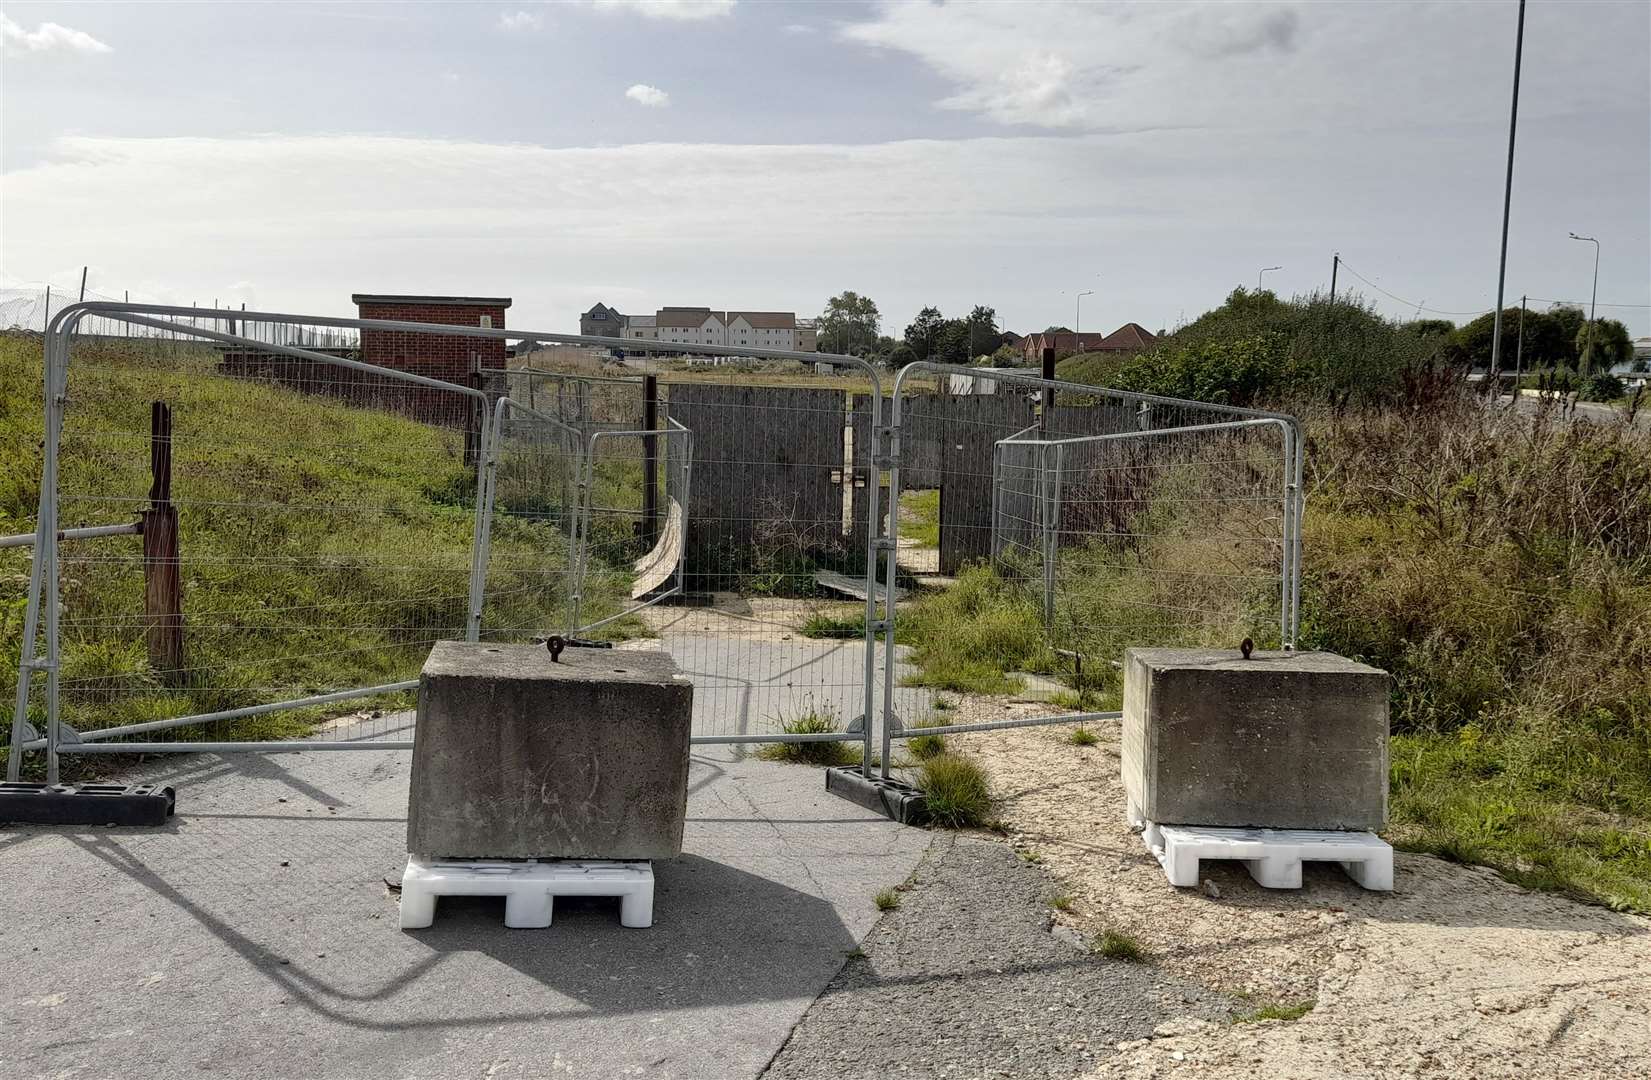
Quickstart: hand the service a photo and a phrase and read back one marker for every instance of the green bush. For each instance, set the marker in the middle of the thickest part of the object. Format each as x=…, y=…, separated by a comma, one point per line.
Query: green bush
x=1601, y=386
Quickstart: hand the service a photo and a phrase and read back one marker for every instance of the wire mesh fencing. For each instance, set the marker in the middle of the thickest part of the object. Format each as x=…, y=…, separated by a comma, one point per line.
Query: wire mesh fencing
x=1085, y=521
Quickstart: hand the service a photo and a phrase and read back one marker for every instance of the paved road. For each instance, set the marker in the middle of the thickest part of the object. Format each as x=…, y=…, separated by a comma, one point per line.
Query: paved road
x=1592, y=411
x=254, y=937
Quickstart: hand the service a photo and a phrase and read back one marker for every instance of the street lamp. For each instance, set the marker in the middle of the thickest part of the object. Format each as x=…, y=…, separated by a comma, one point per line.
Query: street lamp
x=1264, y=270
x=1077, y=317
x=1588, y=341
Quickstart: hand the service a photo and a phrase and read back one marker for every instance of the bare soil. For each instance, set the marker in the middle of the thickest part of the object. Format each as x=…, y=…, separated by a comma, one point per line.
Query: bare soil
x=1455, y=973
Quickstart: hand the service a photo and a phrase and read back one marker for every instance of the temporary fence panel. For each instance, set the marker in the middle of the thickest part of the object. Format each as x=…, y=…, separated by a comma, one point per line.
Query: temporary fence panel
x=326, y=527
x=308, y=530
x=1096, y=520
x=536, y=466
x=633, y=529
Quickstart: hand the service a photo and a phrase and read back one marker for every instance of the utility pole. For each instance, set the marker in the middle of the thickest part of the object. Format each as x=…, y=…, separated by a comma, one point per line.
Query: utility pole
x=1519, y=351
x=1507, y=198
x=1588, y=338
x=1335, y=265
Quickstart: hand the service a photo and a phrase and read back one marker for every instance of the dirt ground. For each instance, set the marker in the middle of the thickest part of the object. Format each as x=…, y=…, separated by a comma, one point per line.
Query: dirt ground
x=1456, y=973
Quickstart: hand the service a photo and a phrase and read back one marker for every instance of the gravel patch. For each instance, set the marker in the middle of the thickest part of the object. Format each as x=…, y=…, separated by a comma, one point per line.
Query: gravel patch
x=966, y=978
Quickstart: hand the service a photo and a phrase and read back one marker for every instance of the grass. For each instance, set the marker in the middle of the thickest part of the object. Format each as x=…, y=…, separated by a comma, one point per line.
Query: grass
x=920, y=517
x=1118, y=945
x=886, y=900
x=1082, y=736
x=955, y=791
x=824, y=625
x=324, y=545
x=1275, y=1012
x=1062, y=902
x=810, y=753
x=924, y=747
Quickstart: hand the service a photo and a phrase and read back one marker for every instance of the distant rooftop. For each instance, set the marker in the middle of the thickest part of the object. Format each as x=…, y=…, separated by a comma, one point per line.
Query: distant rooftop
x=454, y=301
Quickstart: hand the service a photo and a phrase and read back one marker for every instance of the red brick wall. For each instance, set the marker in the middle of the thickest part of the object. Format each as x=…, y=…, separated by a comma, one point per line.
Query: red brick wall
x=437, y=356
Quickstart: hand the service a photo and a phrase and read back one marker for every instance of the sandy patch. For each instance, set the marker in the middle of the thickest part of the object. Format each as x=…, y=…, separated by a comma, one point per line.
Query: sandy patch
x=1456, y=973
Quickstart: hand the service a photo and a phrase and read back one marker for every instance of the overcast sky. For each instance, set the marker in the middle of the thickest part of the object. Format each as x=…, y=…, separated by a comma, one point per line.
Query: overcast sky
x=767, y=155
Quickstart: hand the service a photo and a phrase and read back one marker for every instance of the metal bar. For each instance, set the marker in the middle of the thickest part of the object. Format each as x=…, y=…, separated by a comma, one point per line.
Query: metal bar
x=103, y=734
x=88, y=533
x=1225, y=425
x=1001, y=725
x=284, y=746
x=734, y=740
x=874, y=481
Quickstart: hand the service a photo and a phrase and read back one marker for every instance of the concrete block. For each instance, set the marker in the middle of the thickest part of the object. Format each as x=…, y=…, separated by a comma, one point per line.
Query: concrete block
x=1283, y=740
x=519, y=757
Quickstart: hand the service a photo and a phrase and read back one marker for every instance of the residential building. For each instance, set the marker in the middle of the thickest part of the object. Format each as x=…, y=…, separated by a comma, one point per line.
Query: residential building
x=690, y=326
x=602, y=321
x=1130, y=337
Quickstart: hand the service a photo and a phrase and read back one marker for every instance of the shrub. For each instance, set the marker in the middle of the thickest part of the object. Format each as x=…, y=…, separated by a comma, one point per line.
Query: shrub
x=1601, y=386
x=955, y=791
x=886, y=900
x=1082, y=736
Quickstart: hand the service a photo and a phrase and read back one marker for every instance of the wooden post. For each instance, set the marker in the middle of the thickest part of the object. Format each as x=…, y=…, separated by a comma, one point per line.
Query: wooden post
x=1048, y=395
x=162, y=583
x=650, y=460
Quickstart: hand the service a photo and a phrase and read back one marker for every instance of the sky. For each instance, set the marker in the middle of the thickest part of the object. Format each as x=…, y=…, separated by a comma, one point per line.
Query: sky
x=769, y=155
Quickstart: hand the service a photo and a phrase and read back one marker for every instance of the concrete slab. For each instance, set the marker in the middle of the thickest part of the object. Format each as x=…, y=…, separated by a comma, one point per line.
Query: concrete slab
x=255, y=937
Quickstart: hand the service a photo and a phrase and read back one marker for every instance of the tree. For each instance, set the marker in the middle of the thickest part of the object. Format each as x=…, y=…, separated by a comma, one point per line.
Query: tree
x=924, y=332
x=1431, y=327
x=952, y=343
x=983, y=335
x=1609, y=344
x=849, y=324
x=1546, y=342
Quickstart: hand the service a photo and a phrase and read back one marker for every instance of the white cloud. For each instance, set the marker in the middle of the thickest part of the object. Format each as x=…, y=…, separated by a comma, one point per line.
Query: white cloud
x=521, y=22
x=798, y=28
x=48, y=37
x=676, y=10
x=651, y=96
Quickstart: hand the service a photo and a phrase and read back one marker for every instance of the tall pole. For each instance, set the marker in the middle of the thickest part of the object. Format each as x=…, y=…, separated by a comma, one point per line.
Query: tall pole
x=1335, y=265
x=1507, y=198
x=1588, y=334
x=1519, y=351
x=83, y=284
x=1264, y=270
x=1077, y=318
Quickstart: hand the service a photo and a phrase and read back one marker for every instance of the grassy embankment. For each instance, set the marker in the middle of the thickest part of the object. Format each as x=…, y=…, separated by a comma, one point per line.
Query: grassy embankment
x=324, y=546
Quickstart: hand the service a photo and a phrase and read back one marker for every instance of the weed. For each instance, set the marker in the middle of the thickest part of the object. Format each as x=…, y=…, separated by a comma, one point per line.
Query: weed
x=1118, y=945
x=1030, y=858
x=1082, y=736
x=822, y=625
x=955, y=791
x=886, y=900
x=1275, y=1012
x=1061, y=902
x=943, y=704
x=924, y=747
x=813, y=722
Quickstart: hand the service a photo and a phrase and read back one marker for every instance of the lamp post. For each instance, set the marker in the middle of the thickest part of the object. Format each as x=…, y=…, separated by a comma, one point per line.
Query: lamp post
x=1588, y=340
x=1077, y=317
x=1264, y=270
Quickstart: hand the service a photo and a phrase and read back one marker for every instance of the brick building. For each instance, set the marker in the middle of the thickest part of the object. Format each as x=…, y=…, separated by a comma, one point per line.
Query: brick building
x=450, y=358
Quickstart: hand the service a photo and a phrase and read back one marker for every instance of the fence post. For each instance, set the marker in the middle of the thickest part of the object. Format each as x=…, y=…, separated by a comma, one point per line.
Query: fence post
x=478, y=408
x=162, y=584
x=650, y=460
x=1048, y=393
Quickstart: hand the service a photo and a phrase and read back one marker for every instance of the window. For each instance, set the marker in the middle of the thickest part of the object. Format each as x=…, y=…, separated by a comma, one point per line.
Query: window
x=486, y=323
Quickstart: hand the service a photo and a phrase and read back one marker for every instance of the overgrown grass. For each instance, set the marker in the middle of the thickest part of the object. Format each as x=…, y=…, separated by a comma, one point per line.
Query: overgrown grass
x=920, y=517
x=1061, y=902
x=813, y=722
x=1118, y=945
x=1082, y=736
x=324, y=545
x=886, y=900
x=955, y=792
x=971, y=636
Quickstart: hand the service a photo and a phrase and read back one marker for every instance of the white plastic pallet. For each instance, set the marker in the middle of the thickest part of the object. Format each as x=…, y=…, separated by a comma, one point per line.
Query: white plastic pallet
x=1272, y=856
x=529, y=888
